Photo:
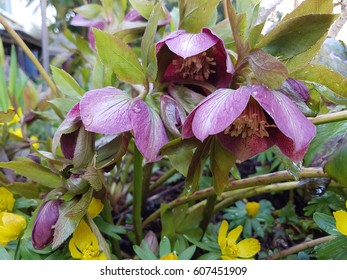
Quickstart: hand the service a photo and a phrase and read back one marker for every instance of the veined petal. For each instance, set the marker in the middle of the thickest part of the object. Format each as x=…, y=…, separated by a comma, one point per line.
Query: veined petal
x=289, y=120
x=234, y=234
x=149, y=131
x=189, y=44
x=248, y=247
x=245, y=148
x=222, y=234
x=341, y=221
x=216, y=114
x=106, y=111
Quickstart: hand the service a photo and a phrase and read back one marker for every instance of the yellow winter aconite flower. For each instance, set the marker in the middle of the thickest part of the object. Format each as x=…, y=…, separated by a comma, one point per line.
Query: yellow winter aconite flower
x=6, y=200
x=11, y=227
x=231, y=250
x=252, y=208
x=170, y=256
x=84, y=245
x=341, y=220
x=95, y=207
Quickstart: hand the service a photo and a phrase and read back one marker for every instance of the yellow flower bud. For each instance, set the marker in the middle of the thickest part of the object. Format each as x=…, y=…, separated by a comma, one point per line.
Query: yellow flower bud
x=6, y=200
x=170, y=256
x=11, y=227
x=252, y=208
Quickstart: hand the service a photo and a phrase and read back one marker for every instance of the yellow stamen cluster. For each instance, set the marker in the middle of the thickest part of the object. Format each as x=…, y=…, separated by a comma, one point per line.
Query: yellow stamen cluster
x=196, y=67
x=90, y=252
x=251, y=121
x=230, y=250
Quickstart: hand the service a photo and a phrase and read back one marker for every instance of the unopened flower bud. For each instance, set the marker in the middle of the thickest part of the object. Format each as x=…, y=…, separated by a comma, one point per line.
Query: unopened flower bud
x=42, y=233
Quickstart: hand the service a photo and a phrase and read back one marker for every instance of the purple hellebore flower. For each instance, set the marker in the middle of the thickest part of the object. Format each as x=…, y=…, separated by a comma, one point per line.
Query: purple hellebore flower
x=43, y=228
x=198, y=57
x=250, y=120
x=111, y=111
x=79, y=20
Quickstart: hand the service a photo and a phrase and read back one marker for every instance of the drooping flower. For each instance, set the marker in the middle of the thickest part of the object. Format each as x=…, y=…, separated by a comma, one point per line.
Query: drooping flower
x=11, y=227
x=43, y=228
x=233, y=250
x=194, y=56
x=79, y=20
x=6, y=200
x=84, y=245
x=250, y=120
x=341, y=220
x=252, y=208
x=112, y=111
x=170, y=257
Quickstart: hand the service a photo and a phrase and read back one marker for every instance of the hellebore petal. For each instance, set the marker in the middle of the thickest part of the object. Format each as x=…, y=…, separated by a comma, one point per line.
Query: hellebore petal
x=106, y=111
x=172, y=114
x=149, y=131
x=299, y=87
x=295, y=130
x=67, y=132
x=43, y=228
x=133, y=15
x=216, y=112
x=194, y=56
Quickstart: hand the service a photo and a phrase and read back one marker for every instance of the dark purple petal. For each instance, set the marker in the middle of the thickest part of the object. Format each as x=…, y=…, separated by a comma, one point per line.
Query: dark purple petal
x=71, y=124
x=172, y=114
x=149, y=131
x=43, y=228
x=289, y=120
x=68, y=144
x=216, y=114
x=298, y=87
x=245, y=148
x=106, y=111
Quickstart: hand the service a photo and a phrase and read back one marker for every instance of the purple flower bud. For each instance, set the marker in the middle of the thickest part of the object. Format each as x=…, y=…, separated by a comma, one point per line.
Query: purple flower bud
x=298, y=87
x=42, y=233
x=152, y=241
x=172, y=114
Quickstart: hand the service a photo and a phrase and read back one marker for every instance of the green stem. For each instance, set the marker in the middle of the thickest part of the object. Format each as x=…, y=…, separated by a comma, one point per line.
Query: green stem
x=147, y=174
x=17, y=254
x=208, y=212
x=31, y=56
x=300, y=247
x=328, y=118
x=280, y=176
x=137, y=193
x=167, y=175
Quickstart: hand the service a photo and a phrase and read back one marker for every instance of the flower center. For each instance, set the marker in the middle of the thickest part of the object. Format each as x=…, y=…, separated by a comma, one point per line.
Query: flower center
x=252, y=208
x=251, y=121
x=230, y=250
x=196, y=67
x=90, y=252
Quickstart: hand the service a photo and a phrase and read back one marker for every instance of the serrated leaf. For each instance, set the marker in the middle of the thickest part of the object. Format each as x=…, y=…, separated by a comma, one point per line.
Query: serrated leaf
x=296, y=35
x=221, y=161
x=117, y=55
x=195, y=14
x=66, y=83
x=80, y=208
x=267, y=69
x=325, y=76
x=94, y=177
x=35, y=172
x=311, y=7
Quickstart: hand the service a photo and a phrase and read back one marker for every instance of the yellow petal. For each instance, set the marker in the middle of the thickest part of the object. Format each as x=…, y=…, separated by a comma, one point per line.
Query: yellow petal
x=248, y=248
x=252, y=208
x=170, y=256
x=95, y=207
x=341, y=221
x=226, y=258
x=6, y=200
x=11, y=227
x=83, y=236
x=222, y=232
x=234, y=234
x=102, y=256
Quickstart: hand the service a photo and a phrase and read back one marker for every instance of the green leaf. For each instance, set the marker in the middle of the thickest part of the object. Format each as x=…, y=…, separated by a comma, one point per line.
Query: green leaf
x=335, y=249
x=195, y=14
x=325, y=76
x=117, y=55
x=4, y=98
x=221, y=161
x=64, y=104
x=4, y=255
x=188, y=253
x=90, y=11
x=296, y=35
x=326, y=223
x=267, y=69
x=66, y=83
x=210, y=256
x=181, y=161
x=109, y=229
x=104, y=246
x=13, y=72
x=84, y=150
x=94, y=177
x=7, y=117
x=26, y=189
x=336, y=166
x=145, y=252
x=308, y=7
x=164, y=246
x=35, y=172
x=148, y=36
x=144, y=7
x=80, y=208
